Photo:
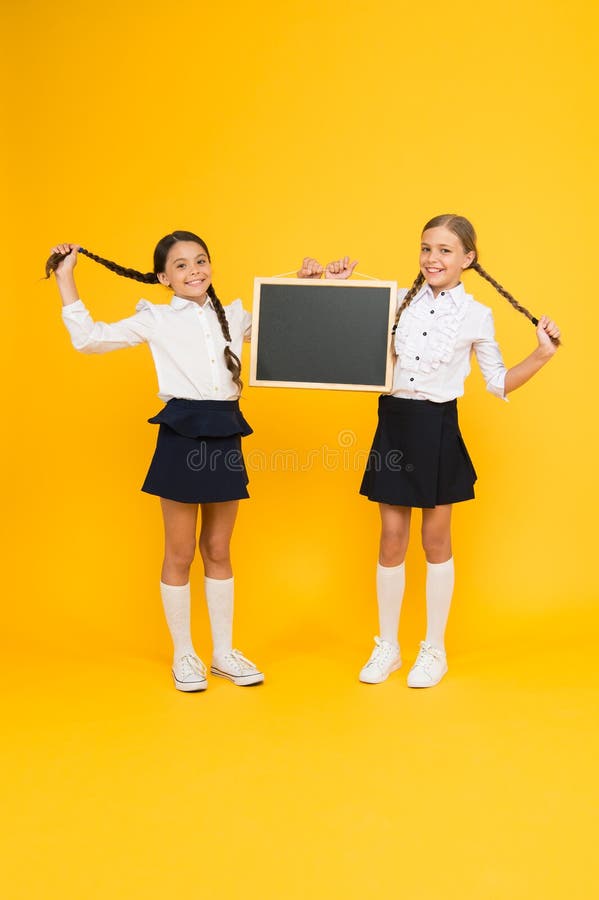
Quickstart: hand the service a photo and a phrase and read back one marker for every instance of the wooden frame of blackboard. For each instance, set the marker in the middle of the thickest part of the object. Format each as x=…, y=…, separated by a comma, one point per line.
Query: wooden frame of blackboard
x=388, y=290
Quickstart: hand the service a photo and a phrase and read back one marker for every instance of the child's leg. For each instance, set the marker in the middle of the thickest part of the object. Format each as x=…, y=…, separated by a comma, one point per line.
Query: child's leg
x=180, y=522
x=390, y=583
x=431, y=663
x=218, y=520
x=179, y=547
x=390, y=574
x=436, y=540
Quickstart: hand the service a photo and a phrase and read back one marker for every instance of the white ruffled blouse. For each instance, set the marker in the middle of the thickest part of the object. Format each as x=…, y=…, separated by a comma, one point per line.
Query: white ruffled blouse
x=434, y=341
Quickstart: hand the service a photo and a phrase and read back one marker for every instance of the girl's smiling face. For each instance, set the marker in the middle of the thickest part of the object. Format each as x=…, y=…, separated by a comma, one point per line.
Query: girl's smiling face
x=443, y=258
x=187, y=271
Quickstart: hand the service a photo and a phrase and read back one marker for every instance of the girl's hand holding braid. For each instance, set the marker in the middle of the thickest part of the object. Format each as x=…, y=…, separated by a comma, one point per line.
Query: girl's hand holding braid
x=68, y=252
x=62, y=262
x=548, y=334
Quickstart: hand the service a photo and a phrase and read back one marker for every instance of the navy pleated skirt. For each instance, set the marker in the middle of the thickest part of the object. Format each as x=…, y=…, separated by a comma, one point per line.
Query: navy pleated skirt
x=198, y=457
x=418, y=456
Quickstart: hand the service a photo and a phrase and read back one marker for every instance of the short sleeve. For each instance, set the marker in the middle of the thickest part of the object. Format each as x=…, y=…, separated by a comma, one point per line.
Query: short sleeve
x=247, y=325
x=239, y=319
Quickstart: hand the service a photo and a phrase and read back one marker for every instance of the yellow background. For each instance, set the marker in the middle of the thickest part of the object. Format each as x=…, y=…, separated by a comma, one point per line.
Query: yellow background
x=278, y=130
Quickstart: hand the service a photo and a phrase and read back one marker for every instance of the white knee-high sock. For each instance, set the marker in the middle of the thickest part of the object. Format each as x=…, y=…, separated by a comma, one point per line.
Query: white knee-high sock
x=390, y=585
x=219, y=597
x=439, y=589
x=176, y=600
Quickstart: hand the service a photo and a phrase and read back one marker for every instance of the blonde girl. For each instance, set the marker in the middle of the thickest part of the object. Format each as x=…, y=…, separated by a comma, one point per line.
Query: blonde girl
x=418, y=457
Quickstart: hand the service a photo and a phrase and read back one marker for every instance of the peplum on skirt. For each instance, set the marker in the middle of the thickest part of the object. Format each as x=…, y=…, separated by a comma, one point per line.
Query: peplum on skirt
x=198, y=456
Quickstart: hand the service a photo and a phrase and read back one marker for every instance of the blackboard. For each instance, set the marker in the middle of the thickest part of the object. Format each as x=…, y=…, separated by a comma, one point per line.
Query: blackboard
x=323, y=334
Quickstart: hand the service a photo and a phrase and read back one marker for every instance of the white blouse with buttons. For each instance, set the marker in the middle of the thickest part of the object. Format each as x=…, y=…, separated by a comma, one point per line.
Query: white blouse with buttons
x=185, y=339
x=434, y=341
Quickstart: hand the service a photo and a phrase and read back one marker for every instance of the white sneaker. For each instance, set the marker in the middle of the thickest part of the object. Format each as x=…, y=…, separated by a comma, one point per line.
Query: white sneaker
x=234, y=666
x=384, y=659
x=429, y=668
x=189, y=673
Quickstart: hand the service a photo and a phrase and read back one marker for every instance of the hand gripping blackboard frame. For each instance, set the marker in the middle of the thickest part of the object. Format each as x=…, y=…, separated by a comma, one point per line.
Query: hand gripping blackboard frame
x=330, y=334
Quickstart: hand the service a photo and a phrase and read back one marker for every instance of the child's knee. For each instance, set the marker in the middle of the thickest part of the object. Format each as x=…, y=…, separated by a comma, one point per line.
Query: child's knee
x=214, y=550
x=436, y=544
x=394, y=544
x=180, y=555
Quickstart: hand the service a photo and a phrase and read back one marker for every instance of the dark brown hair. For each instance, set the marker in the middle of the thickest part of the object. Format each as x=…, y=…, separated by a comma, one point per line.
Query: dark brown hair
x=161, y=252
x=464, y=230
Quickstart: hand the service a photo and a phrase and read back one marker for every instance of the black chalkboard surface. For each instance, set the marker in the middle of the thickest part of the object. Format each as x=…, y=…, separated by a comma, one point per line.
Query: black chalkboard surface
x=323, y=334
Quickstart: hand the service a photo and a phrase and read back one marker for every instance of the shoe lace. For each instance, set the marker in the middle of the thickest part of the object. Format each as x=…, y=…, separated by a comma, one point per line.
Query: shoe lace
x=381, y=653
x=239, y=662
x=191, y=665
x=427, y=656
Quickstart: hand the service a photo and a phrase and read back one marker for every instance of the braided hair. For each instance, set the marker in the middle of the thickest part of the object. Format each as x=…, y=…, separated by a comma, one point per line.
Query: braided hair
x=161, y=252
x=464, y=230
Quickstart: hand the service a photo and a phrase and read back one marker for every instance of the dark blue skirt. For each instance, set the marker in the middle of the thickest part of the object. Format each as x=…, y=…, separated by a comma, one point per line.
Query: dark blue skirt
x=198, y=456
x=418, y=456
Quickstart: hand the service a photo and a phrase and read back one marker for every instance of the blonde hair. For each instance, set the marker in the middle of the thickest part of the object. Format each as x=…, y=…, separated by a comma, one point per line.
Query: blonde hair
x=464, y=230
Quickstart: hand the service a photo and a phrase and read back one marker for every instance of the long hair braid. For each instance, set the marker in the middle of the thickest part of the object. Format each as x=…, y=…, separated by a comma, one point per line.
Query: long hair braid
x=160, y=255
x=232, y=360
x=498, y=287
x=147, y=278
x=418, y=282
x=464, y=230
x=501, y=290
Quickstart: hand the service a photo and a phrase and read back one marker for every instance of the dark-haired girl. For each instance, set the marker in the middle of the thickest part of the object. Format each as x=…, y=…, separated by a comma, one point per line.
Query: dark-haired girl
x=196, y=346
x=418, y=457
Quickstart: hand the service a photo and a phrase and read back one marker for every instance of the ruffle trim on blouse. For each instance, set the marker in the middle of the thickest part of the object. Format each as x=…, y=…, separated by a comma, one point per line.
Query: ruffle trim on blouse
x=203, y=418
x=443, y=334
x=144, y=304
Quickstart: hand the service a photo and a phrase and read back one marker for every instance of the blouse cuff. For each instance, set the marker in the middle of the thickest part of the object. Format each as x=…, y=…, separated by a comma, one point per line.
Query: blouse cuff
x=497, y=386
x=73, y=307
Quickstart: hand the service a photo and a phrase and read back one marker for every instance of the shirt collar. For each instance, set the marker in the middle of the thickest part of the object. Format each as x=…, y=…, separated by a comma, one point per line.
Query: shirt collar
x=456, y=294
x=181, y=303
